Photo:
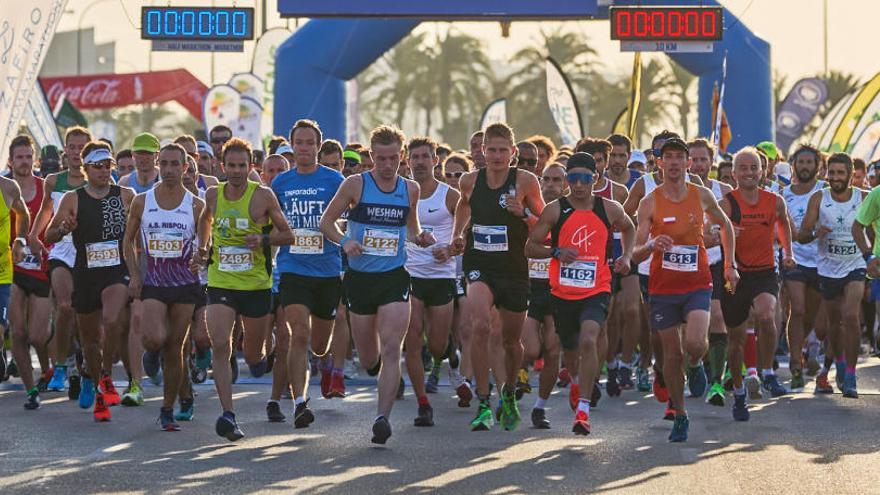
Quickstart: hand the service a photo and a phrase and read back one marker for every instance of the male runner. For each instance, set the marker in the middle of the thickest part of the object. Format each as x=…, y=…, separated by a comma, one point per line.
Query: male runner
x=476, y=147
x=165, y=220
x=546, y=152
x=95, y=216
x=619, y=160
x=145, y=149
x=680, y=282
x=580, y=225
x=496, y=203
x=759, y=217
x=124, y=163
x=382, y=216
x=527, y=156
x=232, y=234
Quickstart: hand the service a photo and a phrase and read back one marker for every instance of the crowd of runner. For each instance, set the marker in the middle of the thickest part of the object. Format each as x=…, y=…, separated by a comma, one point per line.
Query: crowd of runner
x=671, y=271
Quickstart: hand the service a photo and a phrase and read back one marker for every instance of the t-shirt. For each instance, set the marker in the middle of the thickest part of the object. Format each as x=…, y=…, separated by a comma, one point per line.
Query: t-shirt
x=869, y=214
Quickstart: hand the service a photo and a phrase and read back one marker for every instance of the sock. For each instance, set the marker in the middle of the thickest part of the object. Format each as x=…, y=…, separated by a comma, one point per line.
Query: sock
x=423, y=400
x=768, y=373
x=750, y=351
x=850, y=370
x=378, y=418
x=270, y=401
x=298, y=400
x=739, y=391
x=34, y=390
x=717, y=356
x=540, y=403
x=584, y=405
x=612, y=365
x=337, y=372
x=484, y=398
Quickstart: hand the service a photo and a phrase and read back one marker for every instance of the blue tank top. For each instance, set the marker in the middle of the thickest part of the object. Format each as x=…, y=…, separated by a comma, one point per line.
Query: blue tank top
x=303, y=198
x=138, y=188
x=378, y=223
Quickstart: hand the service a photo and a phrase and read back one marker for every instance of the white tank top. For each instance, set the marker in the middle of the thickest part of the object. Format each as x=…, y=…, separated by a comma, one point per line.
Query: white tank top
x=169, y=240
x=650, y=185
x=804, y=254
x=838, y=253
x=434, y=217
x=63, y=250
x=714, y=252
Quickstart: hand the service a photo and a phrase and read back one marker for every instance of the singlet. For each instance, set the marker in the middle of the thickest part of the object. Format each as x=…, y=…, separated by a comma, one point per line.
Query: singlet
x=539, y=270
x=589, y=232
x=804, y=254
x=434, y=216
x=64, y=249
x=714, y=252
x=303, y=198
x=650, y=185
x=31, y=265
x=633, y=177
x=201, y=187
x=168, y=238
x=100, y=226
x=754, y=243
x=496, y=239
x=378, y=223
x=838, y=253
x=5, y=241
x=138, y=188
x=684, y=268
x=233, y=265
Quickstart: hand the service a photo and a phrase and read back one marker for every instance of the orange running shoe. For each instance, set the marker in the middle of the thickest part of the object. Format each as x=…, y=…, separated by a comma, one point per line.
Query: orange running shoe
x=661, y=393
x=670, y=412
x=538, y=365
x=102, y=412
x=326, y=377
x=337, y=386
x=581, y=424
x=111, y=396
x=574, y=394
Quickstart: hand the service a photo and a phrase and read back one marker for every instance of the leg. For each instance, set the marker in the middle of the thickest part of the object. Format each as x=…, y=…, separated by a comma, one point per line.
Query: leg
x=531, y=340
x=18, y=324
x=255, y=332
x=220, y=320
x=280, y=373
x=341, y=340
x=413, y=347
x=65, y=318
x=630, y=302
x=480, y=302
x=851, y=328
x=136, y=337
x=113, y=300
x=764, y=311
x=298, y=320
x=511, y=330
x=588, y=357
x=392, y=321
x=552, y=349
x=673, y=361
x=179, y=318
x=796, y=328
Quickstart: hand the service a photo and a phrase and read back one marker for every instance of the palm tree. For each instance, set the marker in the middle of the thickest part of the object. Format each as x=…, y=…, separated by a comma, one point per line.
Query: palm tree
x=681, y=81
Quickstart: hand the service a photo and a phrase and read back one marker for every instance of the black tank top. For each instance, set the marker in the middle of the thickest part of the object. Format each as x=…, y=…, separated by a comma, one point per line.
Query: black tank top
x=496, y=239
x=100, y=226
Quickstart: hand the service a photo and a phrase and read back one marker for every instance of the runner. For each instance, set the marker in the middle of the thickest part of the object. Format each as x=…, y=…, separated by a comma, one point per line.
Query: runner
x=619, y=161
x=382, y=215
x=234, y=224
x=146, y=174
x=680, y=283
x=546, y=152
x=759, y=217
x=124, y=163
x=95, y=216
x=330, y=154
x=476, y=147
x=580, y=225
x=527, y=156
x=165, y=220
x=496, y=208
x=432, y=275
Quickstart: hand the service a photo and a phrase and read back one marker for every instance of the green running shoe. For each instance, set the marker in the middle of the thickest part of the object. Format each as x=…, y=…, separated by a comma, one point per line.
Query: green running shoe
x=797, y=380
x=716, y=395
x=134, y=396
x=509, y=412
x=484, y=420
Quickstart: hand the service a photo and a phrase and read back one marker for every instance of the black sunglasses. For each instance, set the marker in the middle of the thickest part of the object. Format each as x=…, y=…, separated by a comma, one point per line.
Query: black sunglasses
x=527, y=161
x=220, y=140
x=450, y=175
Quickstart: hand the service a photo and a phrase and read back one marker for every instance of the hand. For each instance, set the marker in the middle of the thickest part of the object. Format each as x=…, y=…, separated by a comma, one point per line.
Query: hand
x=737, y=231
x=663, y=243
x=874, y=268
x=199, y=259
x=567, y=255
x=514, y=206
x=38, y=249
x=253, y=241
x=788, y=262
x=731, y=276
x=68, y=225
x=425, y=239
x=622, y=265
x=18, y=253
x=441, y=253
x=712, y=236
x=353, y=248
x=457, y=246
x=135, y=284
x=822, y=231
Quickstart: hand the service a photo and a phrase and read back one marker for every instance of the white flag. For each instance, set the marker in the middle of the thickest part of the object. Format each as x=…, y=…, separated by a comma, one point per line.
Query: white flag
x=563, y=105
x=247, y=126
x=263, y=66
x=220, y=106
x=494, y=112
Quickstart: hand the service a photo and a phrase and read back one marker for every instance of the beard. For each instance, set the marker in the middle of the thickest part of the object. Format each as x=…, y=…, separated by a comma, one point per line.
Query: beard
x=806, y=175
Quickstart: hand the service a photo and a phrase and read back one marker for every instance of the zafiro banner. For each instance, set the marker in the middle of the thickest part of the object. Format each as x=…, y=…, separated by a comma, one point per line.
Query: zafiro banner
x=563, y=105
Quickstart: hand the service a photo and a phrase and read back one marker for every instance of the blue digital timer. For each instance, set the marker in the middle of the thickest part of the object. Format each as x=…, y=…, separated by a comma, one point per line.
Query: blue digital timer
x=197, y=23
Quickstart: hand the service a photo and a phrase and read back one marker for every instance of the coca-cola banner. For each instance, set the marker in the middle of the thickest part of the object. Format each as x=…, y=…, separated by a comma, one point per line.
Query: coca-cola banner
x=119, y=90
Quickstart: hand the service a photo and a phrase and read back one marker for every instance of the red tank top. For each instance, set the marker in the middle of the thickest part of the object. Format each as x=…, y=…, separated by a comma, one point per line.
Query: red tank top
x=754, y=243
x=605, y=192
x=588, y=232
x=685, y=267
x=31, y=265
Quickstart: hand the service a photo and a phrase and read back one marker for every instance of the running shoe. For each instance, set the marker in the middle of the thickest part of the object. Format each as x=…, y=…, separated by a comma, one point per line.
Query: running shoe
x=797, y=380
x=696, y=377
x=611, y=386
x=166, y=420
x=753, y=385
x=152, y=363
x=624, y=378
x=661, y=393
x=198, y=375
x=326, y=378
x=86, y=393
x=302, y=415
x=101, y=412
x=74, y=389
x=401, y=389
x=465, y=395
x=715, y=395
x=669, y=414
x=425, y=417
x=581, y=423
x=134, y=396
x=111, y=396
x=433, y=380
x=849, y=386
x=813, y=365
x=522, y=384
x=227, y=427
x=483, y=421
x=337, y=385
x=259, y=369
x=822, y=385
x=381, y=430
x=12, y=369
x=740, y=408
x=563, y=378
x=509, y=412
x=574, y=395
x=771, y=384
x=186, y=411
x=643, y=380
x=595, y=395
x=33, y=400
x=43, y=382
x=538, y=365
x=273, y=412
x=679, y=431
x=727, y=380
x=539, y=419
x=59, y=375
x=841, y=374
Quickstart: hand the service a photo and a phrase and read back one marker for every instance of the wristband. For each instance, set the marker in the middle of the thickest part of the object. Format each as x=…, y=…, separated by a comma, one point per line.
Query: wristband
x=555, y=252
x=526, y=213
x=650, y=245
x=22, y=240
x=868, y=257
x=344, y=239
x=265, y=240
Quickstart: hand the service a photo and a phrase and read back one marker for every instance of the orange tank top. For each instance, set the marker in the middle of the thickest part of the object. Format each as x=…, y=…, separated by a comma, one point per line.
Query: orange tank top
x=685, y=267
x=756, y=230
x=589, y=232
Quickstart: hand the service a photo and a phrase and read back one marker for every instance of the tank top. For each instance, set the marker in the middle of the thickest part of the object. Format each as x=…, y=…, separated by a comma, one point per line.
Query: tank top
x=378, y=223
x=168, y=239
x=5, y=241
x=233, y=265
x=303, y=198
x=201, y=187
x=98, y=235
x=838, y=253
x=683, y=268
x=754, y=243
x=434, y=217
x=138, y=188
x=31, y=265
x=496, y=239
x=589, y=232
x=714, y=252
x=804, y=254
x=650, y=185
x=63, y=250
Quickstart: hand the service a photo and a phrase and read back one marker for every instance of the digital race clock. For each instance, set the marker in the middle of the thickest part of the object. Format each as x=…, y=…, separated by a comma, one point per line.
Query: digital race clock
x=666, y=23
x=197, y=23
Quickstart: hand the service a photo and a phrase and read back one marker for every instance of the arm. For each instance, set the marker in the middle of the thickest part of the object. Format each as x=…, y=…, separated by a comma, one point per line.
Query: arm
x=206, y=219
x=643, y=247
x=535, y=247
x=413, y=228
x=533, y=199
x=12, y=195
x=866, y=211
x=39, y=222
x=808, y=231
x=129, y=245
x=728, y=239
x=631, y=205
x=281, y=233
x=64, y=220
x=621, y=222
x=784, y=231
x=347, y=194
x=463, y=211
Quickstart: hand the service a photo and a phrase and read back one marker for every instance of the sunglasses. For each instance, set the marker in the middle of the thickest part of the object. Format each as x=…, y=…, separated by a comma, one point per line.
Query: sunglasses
x=531, y=162
x=582, y=177
x=220, y=140
x=656, y=152
x=351, y=163
x=450, y=175
x=103, y=164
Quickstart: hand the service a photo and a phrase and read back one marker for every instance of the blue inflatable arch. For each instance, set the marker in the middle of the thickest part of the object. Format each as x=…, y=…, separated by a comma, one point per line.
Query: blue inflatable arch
x=313, y=65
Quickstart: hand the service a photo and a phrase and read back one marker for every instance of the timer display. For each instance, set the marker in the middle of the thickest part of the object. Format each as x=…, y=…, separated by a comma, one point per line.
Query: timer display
x=197, y=23
x=666, y=23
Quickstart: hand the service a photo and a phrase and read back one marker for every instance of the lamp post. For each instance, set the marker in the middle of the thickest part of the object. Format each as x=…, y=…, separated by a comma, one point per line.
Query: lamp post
x=79, y=35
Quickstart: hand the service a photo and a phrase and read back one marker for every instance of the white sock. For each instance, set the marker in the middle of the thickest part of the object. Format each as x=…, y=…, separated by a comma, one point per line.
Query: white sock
x=584, y=405
x=612, y=365
x=273, y=401
x=752, y=371
x=739, y=391
x=540, y=403
x=574, y=379
x=769, y=372
x=298, y=400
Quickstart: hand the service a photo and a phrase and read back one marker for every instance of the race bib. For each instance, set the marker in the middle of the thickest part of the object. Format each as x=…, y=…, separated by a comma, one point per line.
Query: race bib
x=241, y=223
x=490, y=238
x=165, y=244
x=235, y=259
x=840, y=248
x=681, y=259
x=30, y=262
x=307, y=241
x=380, y=242
x=539, y=269
x=580, y=274
x=102, y=254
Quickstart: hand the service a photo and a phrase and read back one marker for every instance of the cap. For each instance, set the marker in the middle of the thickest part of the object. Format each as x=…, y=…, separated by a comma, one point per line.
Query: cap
x=637, y=156
x=98, y=155
x=581, y=160
x=145, y=142
x=769, y=149
x=782, y=169
x=49, y=155
x=205, y=148
x=676, y=143
x=351, y=155
x=284, y=148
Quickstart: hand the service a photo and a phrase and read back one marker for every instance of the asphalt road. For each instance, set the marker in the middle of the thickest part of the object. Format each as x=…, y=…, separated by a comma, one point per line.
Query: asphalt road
x=798, y=443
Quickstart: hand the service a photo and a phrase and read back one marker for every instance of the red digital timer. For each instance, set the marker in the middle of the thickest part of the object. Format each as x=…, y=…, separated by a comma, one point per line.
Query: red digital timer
x=666, y=23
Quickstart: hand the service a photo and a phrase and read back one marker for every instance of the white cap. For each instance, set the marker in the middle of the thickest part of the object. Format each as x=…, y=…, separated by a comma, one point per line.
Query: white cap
x=637, y=156
x=284, y=148
x=782, y=169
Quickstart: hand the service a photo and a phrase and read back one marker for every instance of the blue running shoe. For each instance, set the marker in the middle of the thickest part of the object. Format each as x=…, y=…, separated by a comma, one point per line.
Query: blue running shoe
x=203, y=359
x=227, y=427
x=259, y=369
x=152, y=366
x=679, y=429
x=86, y=393
x=771, y=384
x=841, y=373
x=740, y=408
x=59, y=376
x=187, y=409
x=697, y=382
x=849, y=386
